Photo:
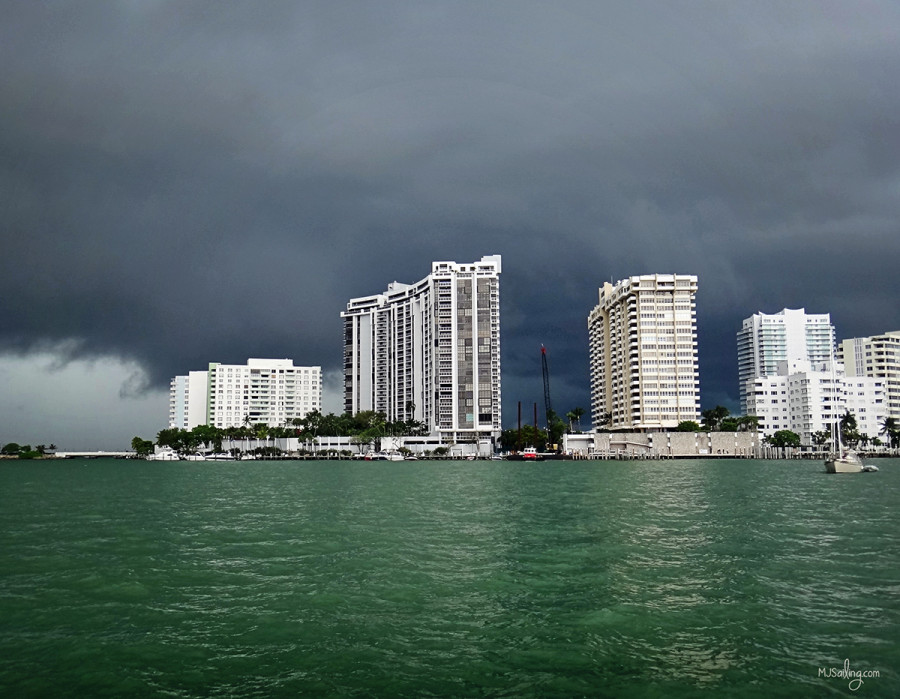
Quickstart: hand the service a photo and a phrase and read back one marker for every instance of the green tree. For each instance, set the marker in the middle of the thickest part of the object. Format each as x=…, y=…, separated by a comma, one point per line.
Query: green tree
x=604, y=421
x=820, y=438
x=555, y=430
x=513, y=440
x=574, y=418
x=729, y=424
x=687, y=426
x=891, y=430
x=713, y=417
x=169, y=437
x=783, y=438
x=509, y=440
x=11, y=449
x=748, y=423
x=849, y=433
x=141, y=447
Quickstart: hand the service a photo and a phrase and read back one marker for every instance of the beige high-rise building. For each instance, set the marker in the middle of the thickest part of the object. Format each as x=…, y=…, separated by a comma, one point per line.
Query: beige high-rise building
x=878, y=357
x=643, y=353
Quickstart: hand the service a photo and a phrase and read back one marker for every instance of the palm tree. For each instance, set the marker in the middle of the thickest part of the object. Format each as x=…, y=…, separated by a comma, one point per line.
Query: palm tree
x=847, y=426
x=578, y=412
x=261, y=431
x=890, y=429
x=247, y=426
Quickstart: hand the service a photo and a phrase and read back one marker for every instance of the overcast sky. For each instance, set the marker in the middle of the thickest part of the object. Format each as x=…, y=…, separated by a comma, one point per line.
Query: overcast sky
x=211, y=181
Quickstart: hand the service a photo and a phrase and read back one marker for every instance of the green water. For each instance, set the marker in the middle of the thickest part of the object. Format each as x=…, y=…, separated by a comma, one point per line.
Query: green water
x=382, y=579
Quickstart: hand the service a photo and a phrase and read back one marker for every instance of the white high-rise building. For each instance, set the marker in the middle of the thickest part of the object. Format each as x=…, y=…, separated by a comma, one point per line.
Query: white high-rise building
x=188, y=400
x=643, y=353
x=790, y=336
x=879, y=357
x=429, y=351
x=270, y=391
x=807, y=398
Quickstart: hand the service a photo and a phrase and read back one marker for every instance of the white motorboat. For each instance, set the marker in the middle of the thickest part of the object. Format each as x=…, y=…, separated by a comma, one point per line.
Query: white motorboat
x=164, y=455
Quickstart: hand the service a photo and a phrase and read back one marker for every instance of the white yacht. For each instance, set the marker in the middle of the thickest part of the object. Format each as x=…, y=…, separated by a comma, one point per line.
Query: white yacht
x=164, y=455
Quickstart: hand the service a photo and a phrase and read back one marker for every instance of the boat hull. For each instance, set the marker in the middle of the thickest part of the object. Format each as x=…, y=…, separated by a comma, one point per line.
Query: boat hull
x=843, y=465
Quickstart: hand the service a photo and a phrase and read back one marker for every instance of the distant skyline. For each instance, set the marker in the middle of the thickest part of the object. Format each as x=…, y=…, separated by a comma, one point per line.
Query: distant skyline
x=185, y=183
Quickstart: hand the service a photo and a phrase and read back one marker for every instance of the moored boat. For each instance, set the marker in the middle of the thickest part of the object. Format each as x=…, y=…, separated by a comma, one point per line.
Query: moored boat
x=846, y=461
x=164, y=455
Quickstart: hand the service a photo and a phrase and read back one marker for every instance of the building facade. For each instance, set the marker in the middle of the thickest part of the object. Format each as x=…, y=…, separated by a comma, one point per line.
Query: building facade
x=188, y=401
x=808, y=398
x=429, y=351
x=790, y=336
x=643, y=353
x=269, y=391
x=877, y=357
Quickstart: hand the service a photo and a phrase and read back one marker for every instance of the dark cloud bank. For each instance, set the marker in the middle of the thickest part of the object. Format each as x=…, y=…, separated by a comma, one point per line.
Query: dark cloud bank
x=187, y=182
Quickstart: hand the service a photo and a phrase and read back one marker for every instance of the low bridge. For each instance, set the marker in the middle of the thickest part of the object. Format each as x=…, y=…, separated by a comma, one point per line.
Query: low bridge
x=94, y=454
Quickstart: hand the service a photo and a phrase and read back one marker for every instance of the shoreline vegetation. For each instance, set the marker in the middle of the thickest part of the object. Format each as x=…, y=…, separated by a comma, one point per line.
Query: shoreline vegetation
x=13, y=450
x=367, y=430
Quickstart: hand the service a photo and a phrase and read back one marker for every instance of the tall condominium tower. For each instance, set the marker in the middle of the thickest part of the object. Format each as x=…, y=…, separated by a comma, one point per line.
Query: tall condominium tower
x=878, y=357
x=270, y=391
x=429, y=351
x=787, y=336
x=643, y=353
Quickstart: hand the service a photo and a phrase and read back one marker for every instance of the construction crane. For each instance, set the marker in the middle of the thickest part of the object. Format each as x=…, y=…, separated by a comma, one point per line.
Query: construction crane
x=547, y=407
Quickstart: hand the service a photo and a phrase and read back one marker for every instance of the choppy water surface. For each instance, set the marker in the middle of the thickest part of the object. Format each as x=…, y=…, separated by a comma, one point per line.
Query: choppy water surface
x=654, y=579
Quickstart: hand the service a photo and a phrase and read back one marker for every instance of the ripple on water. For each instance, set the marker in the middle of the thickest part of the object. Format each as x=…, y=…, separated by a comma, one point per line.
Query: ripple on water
x=653, y=579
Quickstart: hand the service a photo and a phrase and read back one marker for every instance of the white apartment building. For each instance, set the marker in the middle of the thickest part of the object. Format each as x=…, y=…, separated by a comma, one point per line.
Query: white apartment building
x=643, y=353
x=866, y=399
x=429, y=351
x=188, y=400
x=879, y=357
x=270, y=391
x=790, y=336
x=806, y=398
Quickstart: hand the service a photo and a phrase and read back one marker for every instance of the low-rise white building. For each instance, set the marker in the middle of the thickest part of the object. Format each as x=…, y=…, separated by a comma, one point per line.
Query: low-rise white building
x=806, y=398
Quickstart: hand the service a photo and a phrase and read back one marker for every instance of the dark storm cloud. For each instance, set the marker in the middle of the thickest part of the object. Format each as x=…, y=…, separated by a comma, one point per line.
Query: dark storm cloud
x=183, y=183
